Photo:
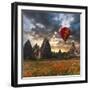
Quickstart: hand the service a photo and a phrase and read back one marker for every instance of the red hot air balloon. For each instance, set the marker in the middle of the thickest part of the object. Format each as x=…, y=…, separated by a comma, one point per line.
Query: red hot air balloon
x=65, y=33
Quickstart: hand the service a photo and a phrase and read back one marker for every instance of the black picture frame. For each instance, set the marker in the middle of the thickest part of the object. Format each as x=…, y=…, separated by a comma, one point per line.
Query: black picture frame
x=14, y=43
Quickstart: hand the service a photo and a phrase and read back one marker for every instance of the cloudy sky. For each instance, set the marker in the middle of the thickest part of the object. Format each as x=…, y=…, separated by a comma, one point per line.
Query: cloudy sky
x=38, y=25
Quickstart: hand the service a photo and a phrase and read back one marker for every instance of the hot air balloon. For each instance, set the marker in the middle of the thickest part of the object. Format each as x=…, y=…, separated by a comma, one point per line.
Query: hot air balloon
x=64, y=32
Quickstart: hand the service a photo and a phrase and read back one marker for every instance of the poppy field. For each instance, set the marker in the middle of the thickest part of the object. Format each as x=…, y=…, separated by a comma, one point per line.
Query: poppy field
x=51, y=67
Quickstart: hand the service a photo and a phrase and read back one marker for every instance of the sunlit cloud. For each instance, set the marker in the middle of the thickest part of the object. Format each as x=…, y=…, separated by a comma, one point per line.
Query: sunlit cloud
x=64, y=19
x=37, y=26
x=40, y=25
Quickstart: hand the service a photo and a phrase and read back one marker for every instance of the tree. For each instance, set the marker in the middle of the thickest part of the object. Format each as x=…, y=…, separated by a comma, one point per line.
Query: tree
x=59, y=54
x=28, y=50
x=46, y=49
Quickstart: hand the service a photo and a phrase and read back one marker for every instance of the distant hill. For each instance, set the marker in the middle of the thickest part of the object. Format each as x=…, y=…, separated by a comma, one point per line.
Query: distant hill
x=44, y=52
x=45, y=49
x=28, y=53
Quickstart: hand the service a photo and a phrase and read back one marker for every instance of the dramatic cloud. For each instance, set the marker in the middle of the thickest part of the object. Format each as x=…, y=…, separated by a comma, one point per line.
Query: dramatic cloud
x=38, y=25
x=27, y=24
x=64, y=19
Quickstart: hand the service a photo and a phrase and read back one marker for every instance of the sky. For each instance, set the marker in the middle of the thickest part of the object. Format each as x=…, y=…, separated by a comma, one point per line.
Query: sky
x=38, y=25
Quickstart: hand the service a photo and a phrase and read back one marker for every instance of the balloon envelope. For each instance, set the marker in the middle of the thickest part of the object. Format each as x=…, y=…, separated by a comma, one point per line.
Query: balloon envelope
x=65, y=33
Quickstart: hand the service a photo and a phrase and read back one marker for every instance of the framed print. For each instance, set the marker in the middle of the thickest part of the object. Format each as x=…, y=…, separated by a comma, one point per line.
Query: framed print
x=49, y=44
